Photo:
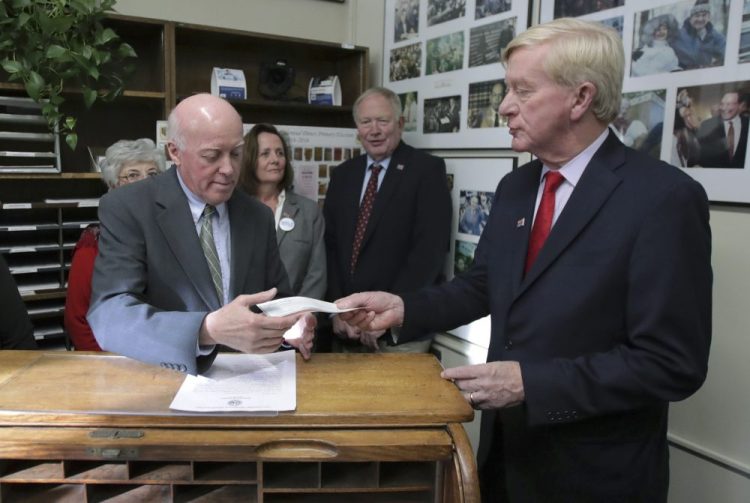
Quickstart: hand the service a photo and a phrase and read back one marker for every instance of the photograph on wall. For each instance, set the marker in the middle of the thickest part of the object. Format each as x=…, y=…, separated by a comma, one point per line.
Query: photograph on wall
x=409, y=109
x=461, y=47
x=487, y=42
x=577, y=8
x=477, y=176
x=445, y=54
x=464, y=256
x=683, y=36
x=640, y=122
x=407, y=20
x=744, y=50
x=442, y=115
x=713, y=129
x=441, y=11
x=484, y=102
x=486, y=8
x=683, y=59
x=406, y=62
x=473, y=211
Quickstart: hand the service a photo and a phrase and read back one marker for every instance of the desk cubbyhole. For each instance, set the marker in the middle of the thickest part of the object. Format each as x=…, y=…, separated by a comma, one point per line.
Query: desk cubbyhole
x=110, y=493
x=349, y=475
x=225, y=472
x=95, y=470
x=215, y=493
x=21, y=470
x=407, y=474
x=158, y=471
x=291, y=475
x=394, y=497
x=42, y=493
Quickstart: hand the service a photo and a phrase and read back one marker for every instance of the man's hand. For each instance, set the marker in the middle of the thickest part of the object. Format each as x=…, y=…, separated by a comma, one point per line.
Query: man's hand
x=491, y=385
x=379, y=311
x=304, y=342
x=344, y=330
x=234, y=325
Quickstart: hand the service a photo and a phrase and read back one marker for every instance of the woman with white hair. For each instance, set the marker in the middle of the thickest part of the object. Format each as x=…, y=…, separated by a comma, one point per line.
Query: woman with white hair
x=656, y=53
x=126, y=161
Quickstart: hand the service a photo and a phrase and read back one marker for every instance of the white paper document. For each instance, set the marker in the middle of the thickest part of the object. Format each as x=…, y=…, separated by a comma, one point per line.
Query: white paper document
x=291, y=305
x=242, y=383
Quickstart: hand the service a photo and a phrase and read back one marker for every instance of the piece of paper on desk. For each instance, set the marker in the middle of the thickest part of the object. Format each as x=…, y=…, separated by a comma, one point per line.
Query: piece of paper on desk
x=242, y=383
x=291, y=305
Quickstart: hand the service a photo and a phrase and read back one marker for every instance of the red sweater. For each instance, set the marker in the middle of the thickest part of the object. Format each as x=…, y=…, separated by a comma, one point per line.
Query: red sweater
x=79, y=291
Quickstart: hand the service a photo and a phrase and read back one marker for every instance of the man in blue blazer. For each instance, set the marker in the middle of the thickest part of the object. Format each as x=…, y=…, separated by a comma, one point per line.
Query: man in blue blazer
x=155, y=297
x=609, y=322
x=406, y=238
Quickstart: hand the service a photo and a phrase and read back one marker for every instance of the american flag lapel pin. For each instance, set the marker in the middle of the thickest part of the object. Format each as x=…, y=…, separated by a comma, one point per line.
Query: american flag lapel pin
x=400, y=167
x=520, y=223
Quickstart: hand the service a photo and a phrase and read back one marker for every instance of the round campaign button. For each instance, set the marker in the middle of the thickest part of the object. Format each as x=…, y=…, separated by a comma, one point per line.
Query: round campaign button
x=286, y=224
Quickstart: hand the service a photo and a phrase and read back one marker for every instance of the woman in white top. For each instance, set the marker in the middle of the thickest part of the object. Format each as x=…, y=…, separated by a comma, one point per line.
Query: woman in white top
x=656, y=55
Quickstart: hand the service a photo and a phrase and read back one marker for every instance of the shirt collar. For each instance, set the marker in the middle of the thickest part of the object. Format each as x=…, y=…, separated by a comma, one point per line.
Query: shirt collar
x=573, y=169
x=197, y=204
x=383, y=164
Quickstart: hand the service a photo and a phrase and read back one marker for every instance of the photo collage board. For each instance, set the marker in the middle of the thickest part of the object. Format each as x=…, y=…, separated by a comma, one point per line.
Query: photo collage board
x=686, y=93
x=442, y=57
x=687, y=77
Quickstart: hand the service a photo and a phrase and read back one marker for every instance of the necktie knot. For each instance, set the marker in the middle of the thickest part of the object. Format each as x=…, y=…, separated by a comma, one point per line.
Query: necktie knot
x=208, y=211
x=375, y=170
x=553, y=180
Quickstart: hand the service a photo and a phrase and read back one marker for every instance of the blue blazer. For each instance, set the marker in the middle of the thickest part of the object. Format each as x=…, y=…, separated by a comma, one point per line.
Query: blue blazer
x=152, y=287
x=611, y=323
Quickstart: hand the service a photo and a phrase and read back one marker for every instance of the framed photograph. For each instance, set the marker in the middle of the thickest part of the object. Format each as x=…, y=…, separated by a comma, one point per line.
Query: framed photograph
x=687, y=78
x=445, y=55
x=473, y=180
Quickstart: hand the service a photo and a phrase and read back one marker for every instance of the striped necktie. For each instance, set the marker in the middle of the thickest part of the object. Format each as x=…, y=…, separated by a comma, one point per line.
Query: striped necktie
x=209, y=250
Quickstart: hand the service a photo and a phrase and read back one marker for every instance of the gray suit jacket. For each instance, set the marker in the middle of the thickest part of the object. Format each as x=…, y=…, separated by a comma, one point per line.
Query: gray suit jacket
x=152, y=287
x=302, y=249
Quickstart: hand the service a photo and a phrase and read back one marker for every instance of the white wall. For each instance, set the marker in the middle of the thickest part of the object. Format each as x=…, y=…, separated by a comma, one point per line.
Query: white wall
x=715, y=421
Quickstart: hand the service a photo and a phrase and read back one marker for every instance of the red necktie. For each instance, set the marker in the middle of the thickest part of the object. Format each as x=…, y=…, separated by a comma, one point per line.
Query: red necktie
x=543, y=220
x=365, y=208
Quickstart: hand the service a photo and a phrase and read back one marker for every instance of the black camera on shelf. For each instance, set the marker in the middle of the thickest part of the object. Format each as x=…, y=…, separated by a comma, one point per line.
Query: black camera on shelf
x=275, y=80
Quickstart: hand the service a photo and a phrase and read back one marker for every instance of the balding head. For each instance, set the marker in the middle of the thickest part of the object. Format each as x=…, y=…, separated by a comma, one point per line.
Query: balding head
x=205, y=142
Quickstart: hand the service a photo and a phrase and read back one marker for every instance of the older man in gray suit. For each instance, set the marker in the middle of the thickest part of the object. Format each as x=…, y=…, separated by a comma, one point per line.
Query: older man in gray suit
x=175, y=250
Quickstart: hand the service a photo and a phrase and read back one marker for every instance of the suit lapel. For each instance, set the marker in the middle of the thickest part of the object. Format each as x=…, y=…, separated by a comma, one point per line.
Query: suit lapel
x=594, y=188
x=523, y=210
x=393, y=176
x=290, y=210
x=176, y=223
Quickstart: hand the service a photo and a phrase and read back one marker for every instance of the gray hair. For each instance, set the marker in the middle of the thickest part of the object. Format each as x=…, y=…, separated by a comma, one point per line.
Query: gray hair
x=125, y=152
x=378, y=91
x=580, y=51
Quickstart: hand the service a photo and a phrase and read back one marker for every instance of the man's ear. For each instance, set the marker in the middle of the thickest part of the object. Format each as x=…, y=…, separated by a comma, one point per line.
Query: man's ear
x=174, y=152
x=583, y=100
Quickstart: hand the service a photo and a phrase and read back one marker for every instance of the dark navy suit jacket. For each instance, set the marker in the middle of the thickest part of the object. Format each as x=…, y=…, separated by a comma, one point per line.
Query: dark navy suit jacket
x=611, y=323
x=408, y=234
